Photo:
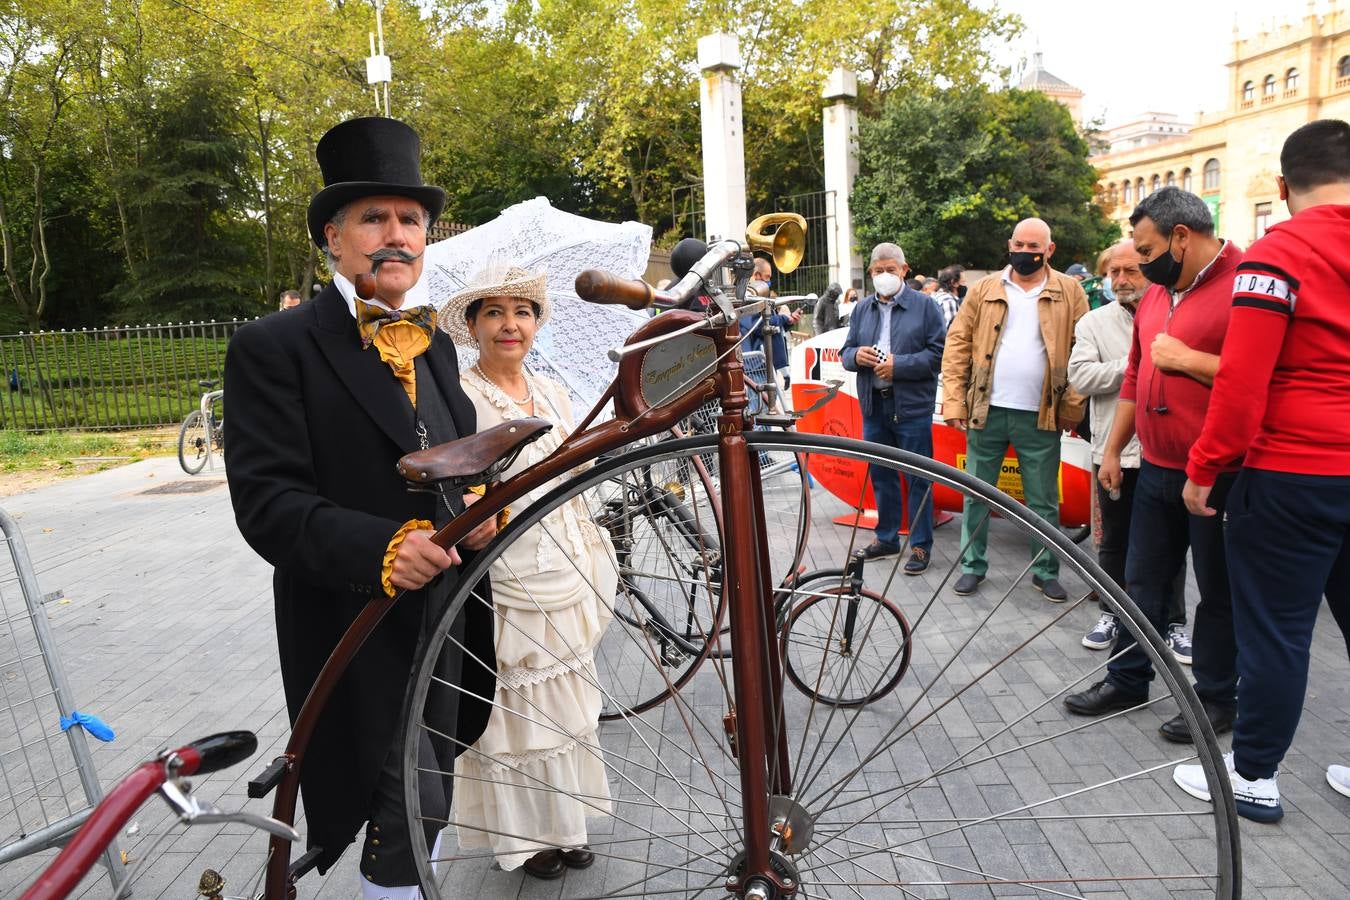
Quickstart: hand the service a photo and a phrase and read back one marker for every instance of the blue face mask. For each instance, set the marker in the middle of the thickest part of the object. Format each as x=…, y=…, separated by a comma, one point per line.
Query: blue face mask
x=1109, y=294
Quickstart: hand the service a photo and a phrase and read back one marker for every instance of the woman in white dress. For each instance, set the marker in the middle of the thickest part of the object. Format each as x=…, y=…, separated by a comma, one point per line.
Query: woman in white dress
x=553, y=590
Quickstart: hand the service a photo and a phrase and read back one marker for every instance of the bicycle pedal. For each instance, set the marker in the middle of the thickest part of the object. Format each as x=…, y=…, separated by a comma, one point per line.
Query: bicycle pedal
x=268, y=778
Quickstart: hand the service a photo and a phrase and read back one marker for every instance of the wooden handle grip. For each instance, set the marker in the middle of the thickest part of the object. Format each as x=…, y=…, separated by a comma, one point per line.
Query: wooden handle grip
x=598, y=286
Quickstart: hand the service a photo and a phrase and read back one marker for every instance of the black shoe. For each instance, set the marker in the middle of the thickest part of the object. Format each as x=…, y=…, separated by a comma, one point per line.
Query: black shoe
x=878, y=550
x=1051, y=588
x=967, y=583
x=577, y=859
x=1100, y=699
x=546, y=864
x=918, y=561
x=1220, y=718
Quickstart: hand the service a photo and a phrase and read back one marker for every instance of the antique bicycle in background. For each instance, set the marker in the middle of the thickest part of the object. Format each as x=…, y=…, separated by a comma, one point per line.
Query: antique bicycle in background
x=853, y=786
x=201, y=437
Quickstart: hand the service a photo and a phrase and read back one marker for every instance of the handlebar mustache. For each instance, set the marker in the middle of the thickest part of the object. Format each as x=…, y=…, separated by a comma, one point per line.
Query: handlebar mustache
x=387, y=253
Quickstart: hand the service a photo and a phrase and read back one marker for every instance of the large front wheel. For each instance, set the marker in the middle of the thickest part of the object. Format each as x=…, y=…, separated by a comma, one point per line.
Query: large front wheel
x=965, y=775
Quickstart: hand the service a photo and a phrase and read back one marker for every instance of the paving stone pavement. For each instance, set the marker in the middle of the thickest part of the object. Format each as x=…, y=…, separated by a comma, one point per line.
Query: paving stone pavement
x=166, y=634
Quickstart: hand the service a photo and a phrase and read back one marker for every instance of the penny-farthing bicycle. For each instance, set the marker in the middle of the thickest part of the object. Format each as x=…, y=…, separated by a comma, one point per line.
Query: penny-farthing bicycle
x=965, y=776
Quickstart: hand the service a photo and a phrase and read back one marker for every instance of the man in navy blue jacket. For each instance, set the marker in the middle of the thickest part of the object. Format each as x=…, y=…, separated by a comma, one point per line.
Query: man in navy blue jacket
x=895, y=340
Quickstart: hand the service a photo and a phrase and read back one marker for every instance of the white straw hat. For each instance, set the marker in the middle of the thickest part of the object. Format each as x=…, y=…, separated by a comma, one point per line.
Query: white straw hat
x=498, y=279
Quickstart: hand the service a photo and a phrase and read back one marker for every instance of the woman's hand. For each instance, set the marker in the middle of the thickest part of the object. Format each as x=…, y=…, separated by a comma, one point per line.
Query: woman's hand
x=484, y=533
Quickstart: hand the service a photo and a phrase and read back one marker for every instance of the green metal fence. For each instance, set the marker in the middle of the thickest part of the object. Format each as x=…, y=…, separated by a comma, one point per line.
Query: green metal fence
x=108, y=378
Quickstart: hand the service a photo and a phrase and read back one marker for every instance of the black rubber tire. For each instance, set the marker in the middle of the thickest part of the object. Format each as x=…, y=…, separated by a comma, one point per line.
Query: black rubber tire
x=876, y=612
x=192, y=443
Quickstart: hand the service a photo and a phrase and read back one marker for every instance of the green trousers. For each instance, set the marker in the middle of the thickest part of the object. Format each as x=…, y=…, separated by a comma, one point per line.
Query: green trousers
x=1038, y=456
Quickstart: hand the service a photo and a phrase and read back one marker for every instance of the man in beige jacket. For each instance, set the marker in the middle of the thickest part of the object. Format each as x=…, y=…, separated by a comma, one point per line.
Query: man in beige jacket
x=1101, y=350
x=1005, y=381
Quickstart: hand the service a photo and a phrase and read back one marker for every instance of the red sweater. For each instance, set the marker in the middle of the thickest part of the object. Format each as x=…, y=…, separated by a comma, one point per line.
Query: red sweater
x=1198, y=321
x=1282, y=394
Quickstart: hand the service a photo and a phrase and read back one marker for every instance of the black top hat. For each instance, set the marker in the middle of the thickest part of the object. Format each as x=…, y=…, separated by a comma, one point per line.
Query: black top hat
x=368, y=157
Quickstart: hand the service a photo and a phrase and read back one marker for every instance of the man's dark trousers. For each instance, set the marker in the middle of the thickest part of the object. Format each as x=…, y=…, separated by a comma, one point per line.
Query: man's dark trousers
x=912, y=433
x=1114, y=548
x=1161, y=529
x=1287, y=546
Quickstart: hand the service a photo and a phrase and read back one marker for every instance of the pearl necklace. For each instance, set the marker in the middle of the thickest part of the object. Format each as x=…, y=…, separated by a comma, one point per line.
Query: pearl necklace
x=529, y=388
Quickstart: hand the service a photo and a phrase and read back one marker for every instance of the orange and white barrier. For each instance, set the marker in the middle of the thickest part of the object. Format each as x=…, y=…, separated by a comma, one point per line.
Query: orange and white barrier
x=816, y=362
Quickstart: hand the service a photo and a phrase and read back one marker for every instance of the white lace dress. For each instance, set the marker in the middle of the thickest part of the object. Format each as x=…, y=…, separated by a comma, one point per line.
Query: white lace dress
x=553, y=589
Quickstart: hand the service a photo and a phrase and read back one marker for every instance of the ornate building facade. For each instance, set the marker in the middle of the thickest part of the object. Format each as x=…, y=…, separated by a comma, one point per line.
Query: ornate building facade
x=1277, y=80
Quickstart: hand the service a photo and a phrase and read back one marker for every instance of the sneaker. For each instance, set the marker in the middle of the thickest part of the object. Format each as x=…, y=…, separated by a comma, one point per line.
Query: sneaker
x=878, y=550
x=1179, y=642
x=1257, y=800
x=1103, y=634
x=1339, y=779
x=918, y=561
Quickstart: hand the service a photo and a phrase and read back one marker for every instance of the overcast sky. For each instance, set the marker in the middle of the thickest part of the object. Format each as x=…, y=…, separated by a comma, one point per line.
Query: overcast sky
x=1143, y=55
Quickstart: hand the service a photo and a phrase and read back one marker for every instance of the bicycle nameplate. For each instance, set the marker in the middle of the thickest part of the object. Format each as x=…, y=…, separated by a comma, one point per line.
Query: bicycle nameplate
x=672, y=367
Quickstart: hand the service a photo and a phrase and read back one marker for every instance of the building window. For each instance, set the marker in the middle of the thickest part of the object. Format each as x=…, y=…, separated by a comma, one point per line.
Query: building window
x=1139, y=192
x=1128, y=191
x=1111, y=198
x=1211, y=182
x=1268, y=87
x=1154, y=184
x=1186, y=184
x=1291, y=82
x=1262, y=218
x=1343, y=68
x=1248, y=92
x=1171, y=180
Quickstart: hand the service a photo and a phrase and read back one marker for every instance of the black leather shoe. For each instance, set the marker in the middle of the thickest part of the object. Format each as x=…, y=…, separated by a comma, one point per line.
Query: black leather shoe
x=546, y=864
x=1220, y=718
x=1051, y=588
x=577, y=859
x=1100, y=699
x=967, y=583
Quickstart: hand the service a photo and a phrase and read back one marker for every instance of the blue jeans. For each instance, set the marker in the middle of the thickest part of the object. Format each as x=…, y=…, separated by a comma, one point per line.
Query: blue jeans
x=915, y=434
x=1161, y=529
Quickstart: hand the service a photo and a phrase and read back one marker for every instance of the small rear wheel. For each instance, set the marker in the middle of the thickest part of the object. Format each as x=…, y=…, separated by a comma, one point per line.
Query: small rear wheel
x=845, y=647
x=193, y=442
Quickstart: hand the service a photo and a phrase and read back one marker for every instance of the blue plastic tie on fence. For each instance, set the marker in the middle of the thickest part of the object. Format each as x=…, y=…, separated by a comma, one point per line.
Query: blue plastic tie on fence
x=91, y=724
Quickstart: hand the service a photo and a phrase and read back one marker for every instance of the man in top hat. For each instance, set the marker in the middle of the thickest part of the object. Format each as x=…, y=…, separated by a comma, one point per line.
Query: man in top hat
x=323, y=402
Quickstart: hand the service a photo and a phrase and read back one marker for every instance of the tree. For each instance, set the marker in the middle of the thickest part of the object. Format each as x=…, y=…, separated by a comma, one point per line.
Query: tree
x=947, y=176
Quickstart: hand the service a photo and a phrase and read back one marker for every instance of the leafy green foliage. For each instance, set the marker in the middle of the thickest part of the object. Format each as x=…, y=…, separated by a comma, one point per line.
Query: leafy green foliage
x=948, y=175
x=175, y=143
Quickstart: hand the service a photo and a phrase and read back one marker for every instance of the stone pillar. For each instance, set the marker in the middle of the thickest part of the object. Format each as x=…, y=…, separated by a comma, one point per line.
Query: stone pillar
x=841, y=167
x=719, y=56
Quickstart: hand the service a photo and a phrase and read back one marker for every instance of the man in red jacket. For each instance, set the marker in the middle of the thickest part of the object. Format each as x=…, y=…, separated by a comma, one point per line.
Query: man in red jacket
x=1178, y=331
x=1282, y=396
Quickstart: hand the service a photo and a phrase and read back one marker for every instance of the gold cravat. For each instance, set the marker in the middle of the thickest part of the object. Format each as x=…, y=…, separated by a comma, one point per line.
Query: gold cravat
x=400, y=337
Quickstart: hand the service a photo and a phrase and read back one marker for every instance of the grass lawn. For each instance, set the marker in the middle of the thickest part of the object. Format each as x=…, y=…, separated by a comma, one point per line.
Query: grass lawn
x=31, y=460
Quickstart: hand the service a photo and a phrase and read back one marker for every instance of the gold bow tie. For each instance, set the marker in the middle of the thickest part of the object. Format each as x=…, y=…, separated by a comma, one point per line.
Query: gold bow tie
x=371, y=318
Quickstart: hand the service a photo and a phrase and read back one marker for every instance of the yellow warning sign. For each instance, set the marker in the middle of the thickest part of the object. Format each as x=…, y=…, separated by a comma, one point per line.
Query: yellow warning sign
x=1010, y=477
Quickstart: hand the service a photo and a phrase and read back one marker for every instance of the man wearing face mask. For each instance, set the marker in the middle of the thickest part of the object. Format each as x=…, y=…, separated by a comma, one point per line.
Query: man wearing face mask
x=1174, y=354
x=1101, y=351
x=894, y=343
x=1005, y=381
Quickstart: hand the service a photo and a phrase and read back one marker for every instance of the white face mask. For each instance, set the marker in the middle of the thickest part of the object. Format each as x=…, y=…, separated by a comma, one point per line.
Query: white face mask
x=887, y=284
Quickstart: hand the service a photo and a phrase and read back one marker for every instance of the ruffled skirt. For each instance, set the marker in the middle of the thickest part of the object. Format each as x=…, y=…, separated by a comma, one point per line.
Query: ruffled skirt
x=538, y=772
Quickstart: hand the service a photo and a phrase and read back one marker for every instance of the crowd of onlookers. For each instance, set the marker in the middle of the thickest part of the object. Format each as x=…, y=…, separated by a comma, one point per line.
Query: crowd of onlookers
x=1214, y=385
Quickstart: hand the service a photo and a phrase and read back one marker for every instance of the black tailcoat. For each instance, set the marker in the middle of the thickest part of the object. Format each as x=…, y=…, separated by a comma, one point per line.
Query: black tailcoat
x=315, y=426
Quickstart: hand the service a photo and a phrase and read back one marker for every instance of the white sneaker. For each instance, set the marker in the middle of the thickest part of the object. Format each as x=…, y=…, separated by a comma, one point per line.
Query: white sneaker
x=1339, y=779
x=1103, y=634
x=1257, y=800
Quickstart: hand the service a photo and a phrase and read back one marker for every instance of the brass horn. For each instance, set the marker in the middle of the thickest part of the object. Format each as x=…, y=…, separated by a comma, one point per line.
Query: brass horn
x=787, y=244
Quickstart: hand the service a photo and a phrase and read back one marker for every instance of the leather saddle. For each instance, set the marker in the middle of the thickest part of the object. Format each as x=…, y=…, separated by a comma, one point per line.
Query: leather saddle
x=470, y=461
